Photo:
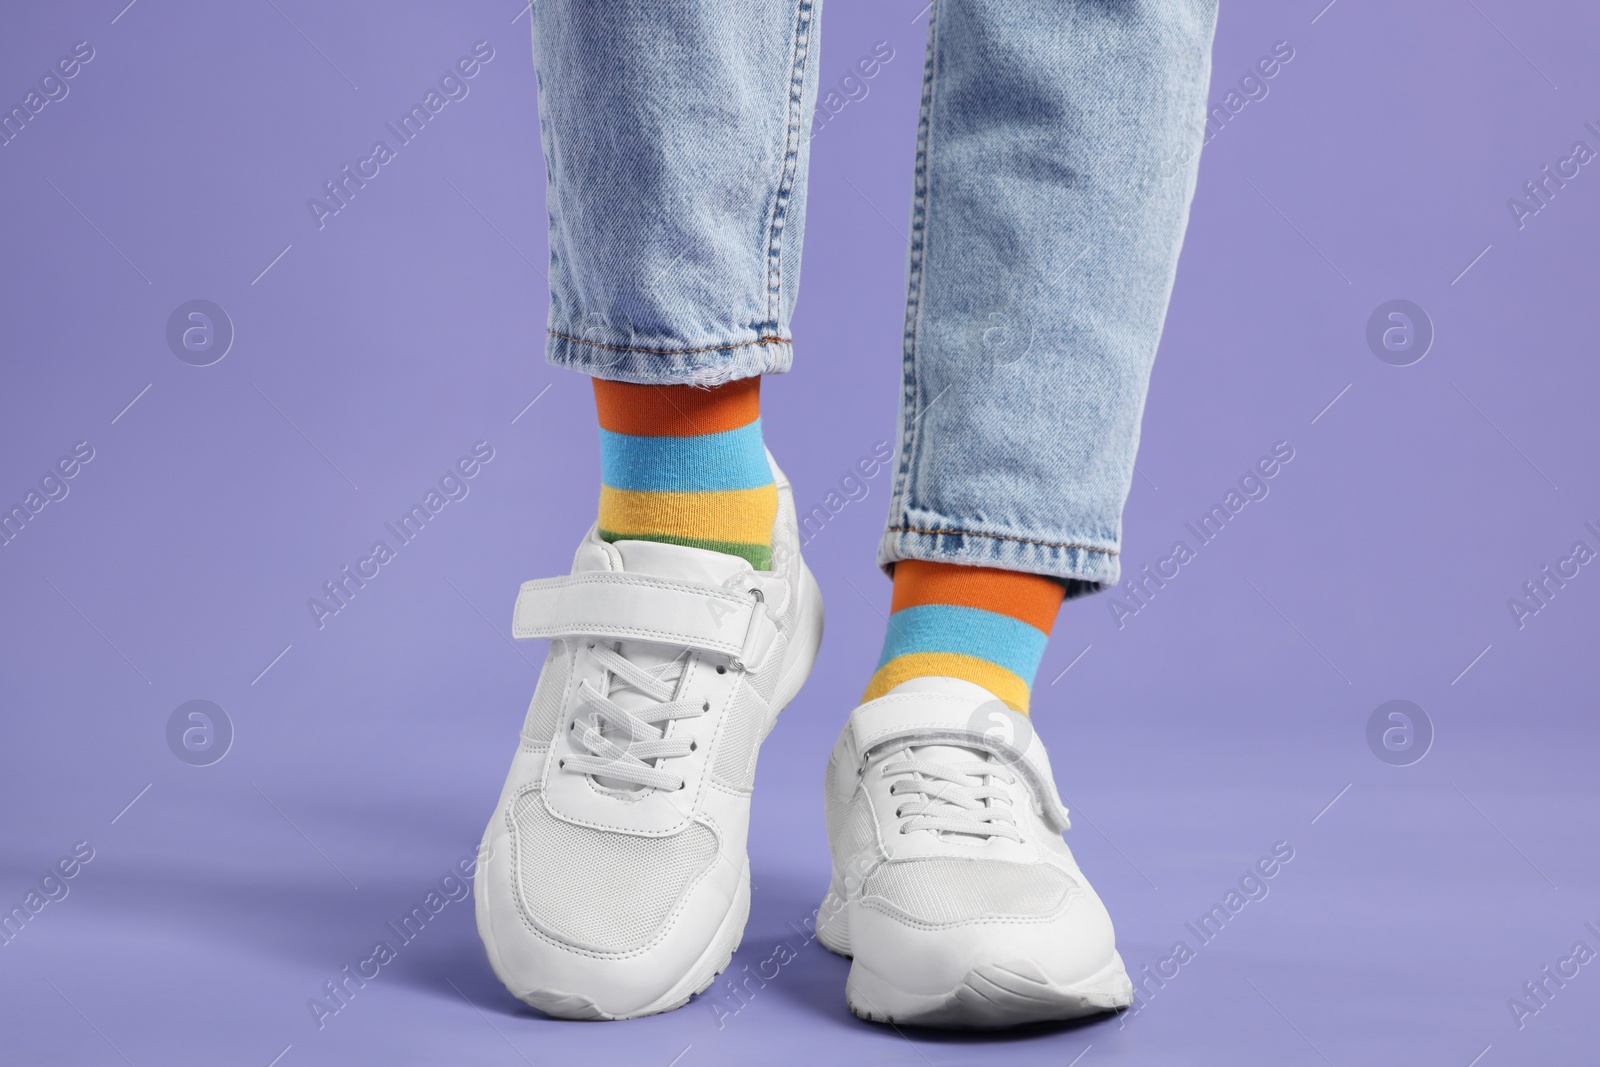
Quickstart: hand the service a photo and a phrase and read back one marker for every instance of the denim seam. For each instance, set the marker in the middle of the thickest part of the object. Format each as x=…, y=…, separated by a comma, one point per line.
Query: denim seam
x=791, y=161
x=1005, y=537
x=767, y=340
x=916, y=255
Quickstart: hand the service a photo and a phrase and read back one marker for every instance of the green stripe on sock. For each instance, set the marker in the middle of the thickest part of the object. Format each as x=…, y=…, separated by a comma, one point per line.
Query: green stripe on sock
x=760, y=556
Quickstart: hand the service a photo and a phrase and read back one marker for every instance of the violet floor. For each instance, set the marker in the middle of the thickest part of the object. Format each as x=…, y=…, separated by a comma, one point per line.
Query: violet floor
x=1224, y=716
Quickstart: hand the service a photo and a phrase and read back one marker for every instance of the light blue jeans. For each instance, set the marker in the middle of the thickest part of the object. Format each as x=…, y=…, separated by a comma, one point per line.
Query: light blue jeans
x=1056, y=158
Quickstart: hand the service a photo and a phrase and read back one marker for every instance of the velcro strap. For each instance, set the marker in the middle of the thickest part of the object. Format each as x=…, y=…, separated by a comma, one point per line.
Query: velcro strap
x=632, y=607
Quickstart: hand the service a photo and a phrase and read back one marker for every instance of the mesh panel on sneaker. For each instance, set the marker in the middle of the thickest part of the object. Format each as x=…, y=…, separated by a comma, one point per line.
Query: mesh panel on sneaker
x=604, y=891
x=741, y=734
x=948, y=890
x=834, y=806
x=544, y=711
x=858, y=836
x=599, y=890
x=765, y=681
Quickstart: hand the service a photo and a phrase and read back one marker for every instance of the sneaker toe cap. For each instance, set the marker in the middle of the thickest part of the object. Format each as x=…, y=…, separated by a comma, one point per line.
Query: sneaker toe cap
x=583, y=923
x=933, y=921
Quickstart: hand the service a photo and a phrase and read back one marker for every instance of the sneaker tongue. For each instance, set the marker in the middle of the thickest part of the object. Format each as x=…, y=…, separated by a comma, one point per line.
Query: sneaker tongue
x=947, y=753
x=938, y=683
x=679, y=561
x=659, y=560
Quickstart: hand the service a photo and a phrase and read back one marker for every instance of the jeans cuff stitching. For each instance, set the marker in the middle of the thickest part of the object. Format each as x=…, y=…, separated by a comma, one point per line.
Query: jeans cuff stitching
x=1005, y=537
x=768, y=340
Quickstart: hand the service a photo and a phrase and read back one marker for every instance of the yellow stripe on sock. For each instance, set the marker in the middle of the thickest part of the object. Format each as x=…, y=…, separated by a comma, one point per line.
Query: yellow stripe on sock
x=738, y=515
x=993, y=677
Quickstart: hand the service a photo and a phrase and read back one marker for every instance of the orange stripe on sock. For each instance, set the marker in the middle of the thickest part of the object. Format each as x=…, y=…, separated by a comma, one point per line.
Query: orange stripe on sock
x=1030, y=598
x=676, y=410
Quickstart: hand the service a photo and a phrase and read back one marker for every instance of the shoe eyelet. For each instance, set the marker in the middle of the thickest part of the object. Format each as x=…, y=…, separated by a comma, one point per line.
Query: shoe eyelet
x=693, y=745
x=681, y=787
x=706, y=706
x=722, y=670
x=560, y=763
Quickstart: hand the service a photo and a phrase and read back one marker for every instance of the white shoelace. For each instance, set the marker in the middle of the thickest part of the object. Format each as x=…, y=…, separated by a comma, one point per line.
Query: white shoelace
x=619, y=744
x=953, y=796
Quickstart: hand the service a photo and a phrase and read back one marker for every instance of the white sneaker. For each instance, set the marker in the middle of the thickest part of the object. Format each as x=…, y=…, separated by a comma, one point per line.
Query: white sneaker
x=613, y=881
x=953, y=891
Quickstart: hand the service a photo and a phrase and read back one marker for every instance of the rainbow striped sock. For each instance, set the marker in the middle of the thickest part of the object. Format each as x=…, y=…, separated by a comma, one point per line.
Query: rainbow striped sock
x=978, y=624
x=686, y=466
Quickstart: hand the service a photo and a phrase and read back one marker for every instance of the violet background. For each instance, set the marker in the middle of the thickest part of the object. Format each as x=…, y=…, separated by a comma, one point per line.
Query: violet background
x=375, y=351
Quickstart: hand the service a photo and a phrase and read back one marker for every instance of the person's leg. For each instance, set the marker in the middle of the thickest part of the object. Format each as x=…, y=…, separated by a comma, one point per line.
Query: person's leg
x=1057, y=156
x=982, y=624
x=676, y=151
x=1056, y=159
x=613, y=880
x=686, y=466
x=675, y=158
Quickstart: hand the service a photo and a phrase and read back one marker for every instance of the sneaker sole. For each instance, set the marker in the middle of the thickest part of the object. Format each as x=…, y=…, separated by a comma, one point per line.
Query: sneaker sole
x=802, y=655
x=994, y=995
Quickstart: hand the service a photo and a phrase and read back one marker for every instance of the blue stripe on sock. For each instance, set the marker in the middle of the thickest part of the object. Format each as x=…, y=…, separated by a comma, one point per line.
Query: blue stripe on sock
x=733, y=459
x=1011, y=643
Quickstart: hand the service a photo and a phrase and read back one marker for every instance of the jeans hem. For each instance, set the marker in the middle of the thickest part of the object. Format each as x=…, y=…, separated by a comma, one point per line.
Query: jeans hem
x=1082, y=568
x=705, y=366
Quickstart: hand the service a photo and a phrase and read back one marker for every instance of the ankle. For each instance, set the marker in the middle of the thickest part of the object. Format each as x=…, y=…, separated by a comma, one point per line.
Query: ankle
x=979, y=625
x=686, y=466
